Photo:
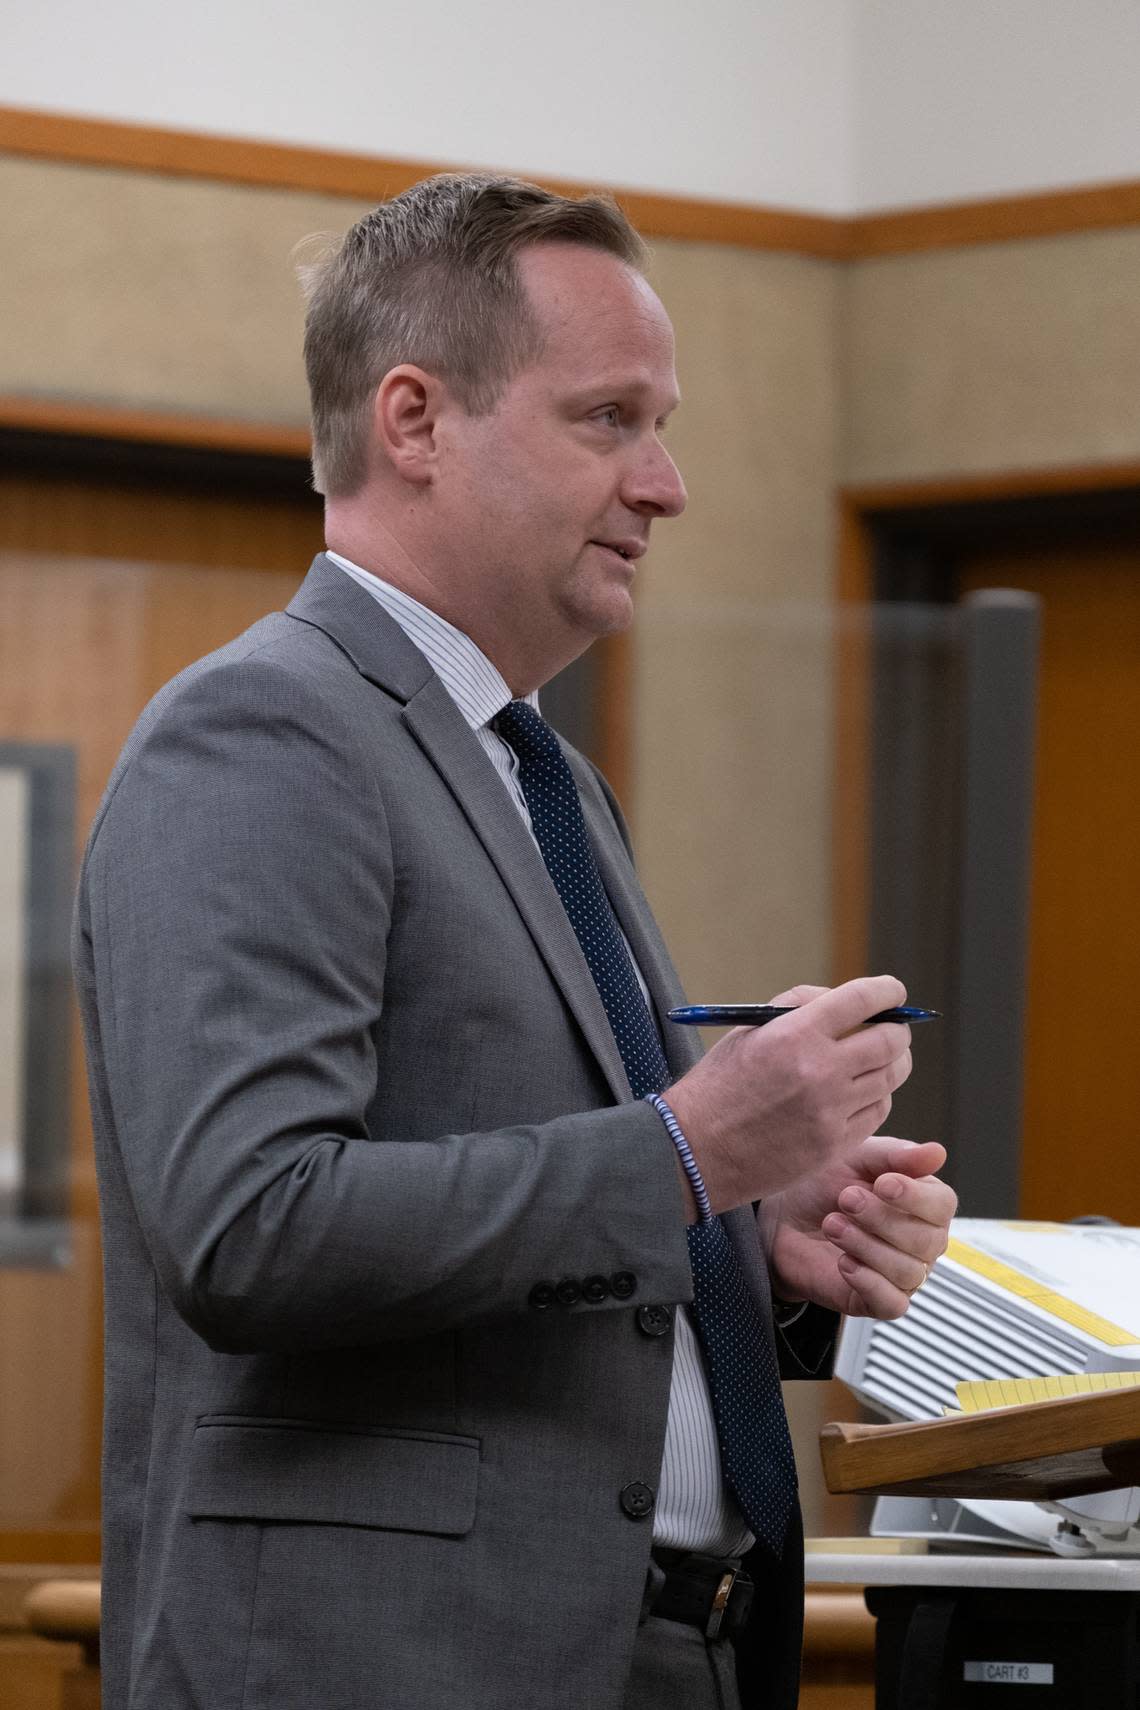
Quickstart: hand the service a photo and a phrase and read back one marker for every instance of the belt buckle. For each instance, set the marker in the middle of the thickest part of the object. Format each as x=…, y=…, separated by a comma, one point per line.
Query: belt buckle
x=719, y=1605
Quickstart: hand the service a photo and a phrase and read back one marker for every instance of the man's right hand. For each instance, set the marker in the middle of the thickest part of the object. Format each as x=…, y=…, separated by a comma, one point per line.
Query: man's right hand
x=771, y=1104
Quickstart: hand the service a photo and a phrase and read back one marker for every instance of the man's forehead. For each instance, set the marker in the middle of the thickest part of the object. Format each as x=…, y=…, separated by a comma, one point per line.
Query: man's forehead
x=568, y=282
x=595, y=310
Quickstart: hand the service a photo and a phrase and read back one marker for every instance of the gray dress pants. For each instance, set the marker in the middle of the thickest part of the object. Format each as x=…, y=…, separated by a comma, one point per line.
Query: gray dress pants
x=677, y=1668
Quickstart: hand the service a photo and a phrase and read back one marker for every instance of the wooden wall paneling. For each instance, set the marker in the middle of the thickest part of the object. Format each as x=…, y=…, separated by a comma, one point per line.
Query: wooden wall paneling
x=1082, y=1074
x=614, y=690
x=101, y=600
x=1083, y=1089
x=32, y=1671
x=858, y=508
x=68, y=647
x=839, y=1650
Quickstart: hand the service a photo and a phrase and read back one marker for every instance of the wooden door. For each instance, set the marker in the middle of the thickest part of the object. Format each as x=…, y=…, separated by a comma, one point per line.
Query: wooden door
x=107, y=587
x=1081, y=1137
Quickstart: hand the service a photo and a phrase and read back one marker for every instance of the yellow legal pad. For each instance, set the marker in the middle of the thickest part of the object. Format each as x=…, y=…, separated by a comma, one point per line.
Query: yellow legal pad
x=976, y=1397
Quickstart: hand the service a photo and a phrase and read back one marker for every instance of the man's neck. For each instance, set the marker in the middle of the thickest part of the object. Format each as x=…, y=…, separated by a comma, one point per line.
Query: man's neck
x=371, y=542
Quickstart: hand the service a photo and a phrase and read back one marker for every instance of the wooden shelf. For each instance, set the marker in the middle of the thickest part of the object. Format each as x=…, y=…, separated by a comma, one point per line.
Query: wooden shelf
x=1047, y=1451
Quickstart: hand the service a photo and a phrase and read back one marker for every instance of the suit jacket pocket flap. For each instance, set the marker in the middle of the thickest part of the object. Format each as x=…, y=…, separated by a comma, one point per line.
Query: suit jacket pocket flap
x=272, y=1469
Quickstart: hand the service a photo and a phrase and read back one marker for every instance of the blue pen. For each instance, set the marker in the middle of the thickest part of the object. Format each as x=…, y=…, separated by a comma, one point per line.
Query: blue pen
x=756, y=1014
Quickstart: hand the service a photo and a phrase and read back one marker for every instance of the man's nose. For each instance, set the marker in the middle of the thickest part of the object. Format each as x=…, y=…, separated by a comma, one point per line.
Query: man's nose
x=655, y=487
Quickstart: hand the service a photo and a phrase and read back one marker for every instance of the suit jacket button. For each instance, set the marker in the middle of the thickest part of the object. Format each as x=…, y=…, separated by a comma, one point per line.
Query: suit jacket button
x=654, y=1320
x=542, y=1296
x=637, y=1500
x=623, y=1284
x=568, y=1292
x=595, y=1290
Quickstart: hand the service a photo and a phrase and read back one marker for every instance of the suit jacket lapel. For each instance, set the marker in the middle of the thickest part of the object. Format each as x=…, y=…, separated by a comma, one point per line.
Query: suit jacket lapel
x=382, y=652
x=451, y=746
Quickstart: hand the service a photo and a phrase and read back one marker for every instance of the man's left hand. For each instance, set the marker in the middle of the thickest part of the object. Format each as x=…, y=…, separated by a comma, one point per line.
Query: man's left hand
x=860, y=1237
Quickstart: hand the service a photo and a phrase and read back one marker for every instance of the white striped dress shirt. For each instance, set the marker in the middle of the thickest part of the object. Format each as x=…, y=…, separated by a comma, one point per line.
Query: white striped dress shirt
x=694, y=1509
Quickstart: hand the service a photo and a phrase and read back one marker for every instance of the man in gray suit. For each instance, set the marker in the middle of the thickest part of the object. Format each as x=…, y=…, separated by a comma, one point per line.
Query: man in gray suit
x=440, y=1359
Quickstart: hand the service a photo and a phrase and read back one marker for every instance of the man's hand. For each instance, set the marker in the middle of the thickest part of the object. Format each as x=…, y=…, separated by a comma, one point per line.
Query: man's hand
x=771, y=1105
x=861, y=1234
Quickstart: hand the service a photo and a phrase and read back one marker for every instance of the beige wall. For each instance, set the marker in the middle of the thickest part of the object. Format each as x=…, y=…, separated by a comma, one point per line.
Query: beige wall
x=163, y=293
x=998, y=357
x=732, y=701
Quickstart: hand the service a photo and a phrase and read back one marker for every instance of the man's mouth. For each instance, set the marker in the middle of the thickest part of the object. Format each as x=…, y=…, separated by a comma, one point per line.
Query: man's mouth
x=630, y=550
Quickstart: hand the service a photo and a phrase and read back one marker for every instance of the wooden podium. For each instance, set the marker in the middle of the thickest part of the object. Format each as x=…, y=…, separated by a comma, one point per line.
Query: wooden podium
x=1044, y=1452
x=949, y=1629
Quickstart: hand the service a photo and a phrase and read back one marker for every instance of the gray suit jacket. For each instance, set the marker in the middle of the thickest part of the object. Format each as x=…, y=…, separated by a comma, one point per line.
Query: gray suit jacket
x=355, y=1096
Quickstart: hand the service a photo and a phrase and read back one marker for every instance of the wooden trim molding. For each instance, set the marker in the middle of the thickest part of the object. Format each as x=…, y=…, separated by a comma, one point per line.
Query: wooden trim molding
x=152, y=427
x=1004, y=219
x=147, y=148
x=240, y=160
x=862, y=498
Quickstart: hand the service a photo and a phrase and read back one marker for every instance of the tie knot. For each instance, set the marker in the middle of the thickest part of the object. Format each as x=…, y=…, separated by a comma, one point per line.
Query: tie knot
x=525, y=729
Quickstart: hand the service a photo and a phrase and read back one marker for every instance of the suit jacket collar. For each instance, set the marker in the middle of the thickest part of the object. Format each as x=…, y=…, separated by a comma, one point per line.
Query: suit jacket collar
x=381, y=652
x=374, y=642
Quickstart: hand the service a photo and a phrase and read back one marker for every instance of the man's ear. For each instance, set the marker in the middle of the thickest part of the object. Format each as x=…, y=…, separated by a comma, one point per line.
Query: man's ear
x=405, y=416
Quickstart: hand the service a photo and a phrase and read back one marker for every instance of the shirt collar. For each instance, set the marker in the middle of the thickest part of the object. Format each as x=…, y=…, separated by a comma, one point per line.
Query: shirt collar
x=475, y=685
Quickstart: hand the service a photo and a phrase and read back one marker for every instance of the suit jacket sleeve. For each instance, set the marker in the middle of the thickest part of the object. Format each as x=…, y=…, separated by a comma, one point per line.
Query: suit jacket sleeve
x=238, y=896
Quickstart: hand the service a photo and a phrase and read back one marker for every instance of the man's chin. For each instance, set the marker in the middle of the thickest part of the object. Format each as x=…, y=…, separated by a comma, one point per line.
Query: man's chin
x=607, y=613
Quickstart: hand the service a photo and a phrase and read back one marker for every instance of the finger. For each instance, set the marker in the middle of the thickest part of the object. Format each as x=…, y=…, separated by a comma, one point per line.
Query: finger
x=904, y=1270
x=796, y=996
x=861, y=1124
x=907, y=1157
x=891, y=1076
x=927, y=1198
x=866, y=1049
x=879, y=1298
x=871, y=1090
x=861, y=1214
x=847, y=1006
x=911, y=1158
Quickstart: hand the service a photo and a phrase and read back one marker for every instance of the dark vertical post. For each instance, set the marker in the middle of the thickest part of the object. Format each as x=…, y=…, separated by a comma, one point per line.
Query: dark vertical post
x=1000, y=639
x=914, y=850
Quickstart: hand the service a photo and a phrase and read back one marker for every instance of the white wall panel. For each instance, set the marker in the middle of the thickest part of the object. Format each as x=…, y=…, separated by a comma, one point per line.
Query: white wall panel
x=827, y=105
x=956, y=99
x=738, y=99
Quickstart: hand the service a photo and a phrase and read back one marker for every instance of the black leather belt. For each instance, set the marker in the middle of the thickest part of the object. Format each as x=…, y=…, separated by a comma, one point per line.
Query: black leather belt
x=709, y=1592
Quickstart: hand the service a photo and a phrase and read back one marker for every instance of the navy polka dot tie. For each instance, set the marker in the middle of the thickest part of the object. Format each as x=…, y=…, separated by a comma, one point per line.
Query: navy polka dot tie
x=756, y=1450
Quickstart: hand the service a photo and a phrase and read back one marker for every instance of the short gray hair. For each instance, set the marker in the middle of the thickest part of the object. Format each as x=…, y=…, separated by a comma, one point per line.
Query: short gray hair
x=431, y=278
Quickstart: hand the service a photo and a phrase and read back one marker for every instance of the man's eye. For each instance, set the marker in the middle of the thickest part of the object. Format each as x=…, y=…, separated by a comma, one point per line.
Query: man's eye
x=609, y=417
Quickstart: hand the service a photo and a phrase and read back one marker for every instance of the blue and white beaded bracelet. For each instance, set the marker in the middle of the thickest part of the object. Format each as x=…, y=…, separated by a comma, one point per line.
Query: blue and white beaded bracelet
x=685, y=1153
